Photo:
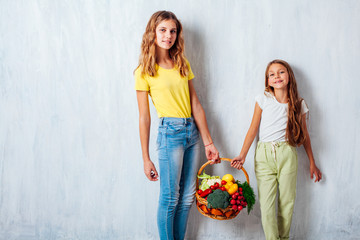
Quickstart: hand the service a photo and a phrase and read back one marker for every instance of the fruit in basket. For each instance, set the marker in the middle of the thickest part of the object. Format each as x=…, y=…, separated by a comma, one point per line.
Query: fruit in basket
x=232, y=189
x=218, y=199
x=228, y=178
x=215, y=186
x=228, y=185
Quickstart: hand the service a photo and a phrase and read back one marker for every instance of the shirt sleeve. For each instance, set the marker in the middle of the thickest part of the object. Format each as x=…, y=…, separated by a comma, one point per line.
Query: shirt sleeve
x=260, y=100
x=304, y=107
x=191, y=74
x=141, y=83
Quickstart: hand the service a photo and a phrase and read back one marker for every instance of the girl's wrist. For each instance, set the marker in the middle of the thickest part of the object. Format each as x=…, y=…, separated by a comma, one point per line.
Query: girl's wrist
x=146, y=159
x=209, y=144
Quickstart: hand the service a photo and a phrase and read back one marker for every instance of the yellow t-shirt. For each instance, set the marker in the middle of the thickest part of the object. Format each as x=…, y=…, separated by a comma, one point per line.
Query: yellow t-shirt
x=168, y=90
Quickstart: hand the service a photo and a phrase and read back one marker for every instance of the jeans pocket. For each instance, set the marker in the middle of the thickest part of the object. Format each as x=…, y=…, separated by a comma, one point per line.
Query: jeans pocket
x=161, y=137
x=174, y=128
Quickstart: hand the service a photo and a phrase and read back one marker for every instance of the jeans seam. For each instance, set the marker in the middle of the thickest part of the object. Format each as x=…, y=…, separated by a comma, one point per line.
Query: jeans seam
x=171, y=193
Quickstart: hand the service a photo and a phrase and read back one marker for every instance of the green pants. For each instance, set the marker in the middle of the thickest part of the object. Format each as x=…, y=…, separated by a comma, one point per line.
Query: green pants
x=276, y=168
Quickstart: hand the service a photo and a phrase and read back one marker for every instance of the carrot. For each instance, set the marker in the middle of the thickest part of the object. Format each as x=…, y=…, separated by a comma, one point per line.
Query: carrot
x=204, y=208
x=216, y=212
x=229, y=213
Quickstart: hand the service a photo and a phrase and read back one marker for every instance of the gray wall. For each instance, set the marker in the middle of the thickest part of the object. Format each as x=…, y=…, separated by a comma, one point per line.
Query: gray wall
x=70, y=159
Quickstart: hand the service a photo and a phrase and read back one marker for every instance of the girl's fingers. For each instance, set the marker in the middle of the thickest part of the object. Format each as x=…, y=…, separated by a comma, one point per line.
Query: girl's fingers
x=153, y=175
x=319, y=176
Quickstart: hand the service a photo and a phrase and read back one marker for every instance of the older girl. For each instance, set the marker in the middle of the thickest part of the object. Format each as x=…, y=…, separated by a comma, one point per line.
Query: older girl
x=165, y=75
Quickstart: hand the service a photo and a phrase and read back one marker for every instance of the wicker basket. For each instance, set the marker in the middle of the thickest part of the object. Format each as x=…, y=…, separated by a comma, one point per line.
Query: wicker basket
x=218, y=214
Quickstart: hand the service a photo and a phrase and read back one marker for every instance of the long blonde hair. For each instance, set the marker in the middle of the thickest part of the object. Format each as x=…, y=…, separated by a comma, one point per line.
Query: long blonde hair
x=147, y=60
x=295, y=134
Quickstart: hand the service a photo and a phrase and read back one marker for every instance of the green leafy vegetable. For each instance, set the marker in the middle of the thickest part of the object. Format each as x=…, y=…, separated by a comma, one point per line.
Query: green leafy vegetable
x=218, y=199
x=249, y=195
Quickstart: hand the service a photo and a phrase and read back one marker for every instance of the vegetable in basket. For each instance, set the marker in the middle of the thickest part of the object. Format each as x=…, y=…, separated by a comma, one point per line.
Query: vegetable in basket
x=218, y=199
x=208, y=181
x=248, y=193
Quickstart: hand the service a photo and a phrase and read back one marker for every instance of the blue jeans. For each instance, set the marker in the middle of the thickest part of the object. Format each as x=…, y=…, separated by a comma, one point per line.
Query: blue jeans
x=178, y=148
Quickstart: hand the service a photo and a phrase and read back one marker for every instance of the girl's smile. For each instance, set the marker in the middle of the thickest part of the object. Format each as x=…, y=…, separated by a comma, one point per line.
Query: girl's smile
x=278, y=76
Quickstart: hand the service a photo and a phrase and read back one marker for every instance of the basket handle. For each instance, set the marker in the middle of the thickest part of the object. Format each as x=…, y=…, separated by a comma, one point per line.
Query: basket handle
x=222, y=159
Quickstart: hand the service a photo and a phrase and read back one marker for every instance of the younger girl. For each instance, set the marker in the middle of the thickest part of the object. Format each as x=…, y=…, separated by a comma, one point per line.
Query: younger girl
x=281, y=115
x=165, y=75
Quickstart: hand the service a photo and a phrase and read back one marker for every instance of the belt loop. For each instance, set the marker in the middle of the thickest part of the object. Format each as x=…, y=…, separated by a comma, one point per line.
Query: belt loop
x=161, y=121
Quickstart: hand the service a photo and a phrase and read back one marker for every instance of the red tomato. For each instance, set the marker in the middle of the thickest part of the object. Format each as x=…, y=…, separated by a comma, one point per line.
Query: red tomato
x=223, y=182
x=238, y=202
x=200, y=191
x=233, y=202
x=240, y=189
x=234, y=196
x=239, y=207
x=216, y=185
x=212, y=187
x=237, y=194
x=223, y=189
x=234, y=207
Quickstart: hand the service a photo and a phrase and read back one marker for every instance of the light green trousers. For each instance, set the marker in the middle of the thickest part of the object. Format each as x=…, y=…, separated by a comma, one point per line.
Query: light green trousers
x=276, y=169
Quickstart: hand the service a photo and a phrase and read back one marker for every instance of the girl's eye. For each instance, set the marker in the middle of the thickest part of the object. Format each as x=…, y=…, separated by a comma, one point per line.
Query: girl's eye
x=173, y=31
x=271, y=75
x=282, y=72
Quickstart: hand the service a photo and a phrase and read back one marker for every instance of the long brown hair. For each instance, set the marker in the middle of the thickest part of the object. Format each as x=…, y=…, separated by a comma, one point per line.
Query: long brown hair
x=147, y=60
x=295, y=134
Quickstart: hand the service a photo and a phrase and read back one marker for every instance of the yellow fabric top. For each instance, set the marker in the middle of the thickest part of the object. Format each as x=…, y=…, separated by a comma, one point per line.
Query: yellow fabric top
x=168, y=90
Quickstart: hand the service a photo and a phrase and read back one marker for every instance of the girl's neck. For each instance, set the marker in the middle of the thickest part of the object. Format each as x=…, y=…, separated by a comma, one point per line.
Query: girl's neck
x=281, y=95
x=163, y=58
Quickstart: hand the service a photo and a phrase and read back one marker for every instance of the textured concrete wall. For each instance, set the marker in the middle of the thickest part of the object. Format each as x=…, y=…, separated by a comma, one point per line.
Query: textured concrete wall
x=70, y=159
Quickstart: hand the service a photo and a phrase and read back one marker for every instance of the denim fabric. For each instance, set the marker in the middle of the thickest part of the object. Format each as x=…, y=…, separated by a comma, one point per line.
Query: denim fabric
x=178, y=148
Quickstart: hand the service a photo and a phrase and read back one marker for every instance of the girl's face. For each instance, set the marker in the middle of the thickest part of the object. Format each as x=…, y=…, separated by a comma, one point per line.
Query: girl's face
x=278, y=76
x=166, y=34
